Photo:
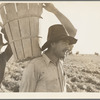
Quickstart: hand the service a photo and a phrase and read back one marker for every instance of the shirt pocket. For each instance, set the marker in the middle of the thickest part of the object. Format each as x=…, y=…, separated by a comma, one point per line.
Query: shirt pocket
x=53, y=85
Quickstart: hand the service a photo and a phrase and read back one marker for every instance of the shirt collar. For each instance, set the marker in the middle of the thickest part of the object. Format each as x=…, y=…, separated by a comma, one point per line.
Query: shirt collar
x=46, y=59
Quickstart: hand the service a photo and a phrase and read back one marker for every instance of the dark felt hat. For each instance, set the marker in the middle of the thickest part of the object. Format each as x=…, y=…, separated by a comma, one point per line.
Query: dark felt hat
x=57, y=32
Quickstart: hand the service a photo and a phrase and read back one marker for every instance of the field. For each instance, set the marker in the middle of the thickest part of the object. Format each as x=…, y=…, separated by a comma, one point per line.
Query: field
x=82, y=74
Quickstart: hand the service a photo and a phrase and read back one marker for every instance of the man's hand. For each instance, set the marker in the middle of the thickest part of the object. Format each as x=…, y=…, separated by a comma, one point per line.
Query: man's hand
x=50, y=7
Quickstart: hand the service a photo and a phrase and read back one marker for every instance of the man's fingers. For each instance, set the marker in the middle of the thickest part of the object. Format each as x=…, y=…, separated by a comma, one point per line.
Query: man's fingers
x=47, y=4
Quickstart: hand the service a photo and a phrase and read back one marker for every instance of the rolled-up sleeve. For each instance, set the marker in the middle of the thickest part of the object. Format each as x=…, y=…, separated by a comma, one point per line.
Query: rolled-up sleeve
x=29, y=79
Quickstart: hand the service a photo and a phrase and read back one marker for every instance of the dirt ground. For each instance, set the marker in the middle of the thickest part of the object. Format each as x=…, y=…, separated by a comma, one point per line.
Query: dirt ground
x=82, y=74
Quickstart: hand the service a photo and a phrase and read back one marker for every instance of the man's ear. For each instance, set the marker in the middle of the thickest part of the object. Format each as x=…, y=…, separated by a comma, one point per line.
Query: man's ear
x=71, y=47
x=52, y=44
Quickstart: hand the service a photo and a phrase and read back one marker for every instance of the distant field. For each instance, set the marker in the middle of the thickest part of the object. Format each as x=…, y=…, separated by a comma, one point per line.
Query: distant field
x=82, y=72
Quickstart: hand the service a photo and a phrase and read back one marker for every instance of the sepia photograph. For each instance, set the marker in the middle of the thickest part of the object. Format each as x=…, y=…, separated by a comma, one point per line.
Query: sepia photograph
x=50, y=47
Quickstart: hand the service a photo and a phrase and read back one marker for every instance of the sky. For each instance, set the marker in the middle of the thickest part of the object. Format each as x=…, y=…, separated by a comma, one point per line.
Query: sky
x=84, y=15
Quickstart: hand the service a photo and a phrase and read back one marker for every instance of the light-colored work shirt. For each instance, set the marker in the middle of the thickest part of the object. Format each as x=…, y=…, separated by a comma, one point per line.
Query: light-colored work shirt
x=42, y=75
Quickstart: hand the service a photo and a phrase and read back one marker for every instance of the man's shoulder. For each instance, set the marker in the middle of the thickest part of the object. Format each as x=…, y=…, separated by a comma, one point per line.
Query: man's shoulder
x=35, y=64
x=37, y=60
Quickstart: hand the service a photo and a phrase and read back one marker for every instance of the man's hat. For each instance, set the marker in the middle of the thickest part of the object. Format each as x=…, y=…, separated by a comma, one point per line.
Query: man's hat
x=57, y=32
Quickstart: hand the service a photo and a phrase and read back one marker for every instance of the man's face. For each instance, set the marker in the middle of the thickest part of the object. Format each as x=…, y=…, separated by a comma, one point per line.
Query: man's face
x=60, y=48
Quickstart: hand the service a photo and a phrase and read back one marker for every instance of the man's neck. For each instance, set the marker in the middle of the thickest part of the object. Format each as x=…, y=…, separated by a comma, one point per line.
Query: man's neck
x=52, y=57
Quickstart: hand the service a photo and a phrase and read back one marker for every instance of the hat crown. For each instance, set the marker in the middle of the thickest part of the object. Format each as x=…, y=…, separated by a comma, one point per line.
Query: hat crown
x=56, y=31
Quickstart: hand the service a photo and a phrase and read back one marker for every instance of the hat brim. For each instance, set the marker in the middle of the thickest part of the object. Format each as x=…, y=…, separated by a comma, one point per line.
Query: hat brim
x=72, y=40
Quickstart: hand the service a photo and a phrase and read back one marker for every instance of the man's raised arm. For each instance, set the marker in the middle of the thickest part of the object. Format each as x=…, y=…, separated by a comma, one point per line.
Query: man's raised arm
x=63, y=19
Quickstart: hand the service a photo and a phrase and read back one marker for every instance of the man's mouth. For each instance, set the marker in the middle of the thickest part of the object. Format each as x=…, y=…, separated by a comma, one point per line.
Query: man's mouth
x=65, y=51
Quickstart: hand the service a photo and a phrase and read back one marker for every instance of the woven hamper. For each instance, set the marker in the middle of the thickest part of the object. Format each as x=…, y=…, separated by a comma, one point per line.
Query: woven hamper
x=21, y=23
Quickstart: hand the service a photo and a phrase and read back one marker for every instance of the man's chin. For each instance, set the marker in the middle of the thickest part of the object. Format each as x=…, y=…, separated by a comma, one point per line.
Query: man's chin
x=62, y=57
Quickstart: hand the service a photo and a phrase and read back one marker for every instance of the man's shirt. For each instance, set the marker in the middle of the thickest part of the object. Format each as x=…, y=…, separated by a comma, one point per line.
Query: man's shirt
x=42, y=75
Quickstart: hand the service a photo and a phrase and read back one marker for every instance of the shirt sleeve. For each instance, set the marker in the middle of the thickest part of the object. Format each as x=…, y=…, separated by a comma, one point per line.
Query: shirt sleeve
x=29, y=79
x=2, y=66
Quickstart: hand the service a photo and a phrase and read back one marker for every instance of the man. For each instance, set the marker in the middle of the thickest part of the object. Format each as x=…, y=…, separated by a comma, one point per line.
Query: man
x=4, y=56
x=45, y=73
